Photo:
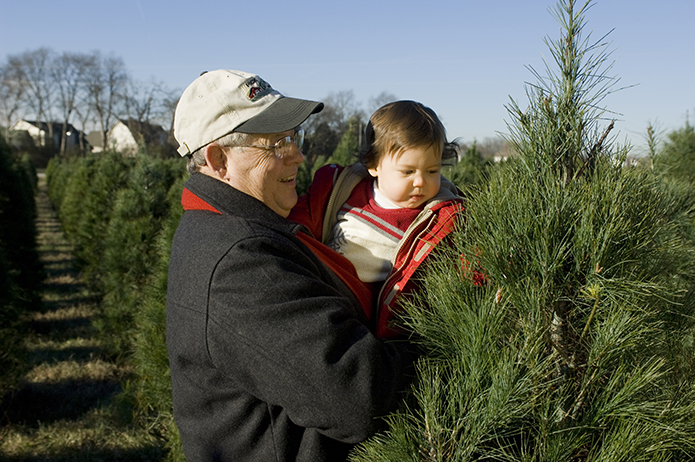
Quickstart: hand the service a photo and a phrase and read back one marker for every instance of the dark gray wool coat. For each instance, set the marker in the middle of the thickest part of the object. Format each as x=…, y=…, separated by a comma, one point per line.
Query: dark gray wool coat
x=269, y=358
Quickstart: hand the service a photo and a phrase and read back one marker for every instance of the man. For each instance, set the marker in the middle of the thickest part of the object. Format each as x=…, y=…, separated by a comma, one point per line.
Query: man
x=270, y=358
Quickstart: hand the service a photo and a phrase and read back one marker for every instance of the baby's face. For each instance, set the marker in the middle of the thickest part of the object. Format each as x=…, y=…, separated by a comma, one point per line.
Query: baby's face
x=411, y=178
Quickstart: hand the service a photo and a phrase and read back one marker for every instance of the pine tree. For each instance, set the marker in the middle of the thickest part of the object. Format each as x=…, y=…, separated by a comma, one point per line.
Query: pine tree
x=470, y=170
x=153, y=394
x=580, y=346
x=21, y=271
x=676, y=158
x=130, y=252
x=87, y=202
x=348, y=147
x=675, y=165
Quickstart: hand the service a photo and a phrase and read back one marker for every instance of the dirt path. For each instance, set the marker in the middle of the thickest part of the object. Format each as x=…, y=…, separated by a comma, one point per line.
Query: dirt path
x=68, y=406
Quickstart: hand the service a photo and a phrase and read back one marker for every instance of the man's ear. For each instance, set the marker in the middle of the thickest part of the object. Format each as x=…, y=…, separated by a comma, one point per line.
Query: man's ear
x=216, y=160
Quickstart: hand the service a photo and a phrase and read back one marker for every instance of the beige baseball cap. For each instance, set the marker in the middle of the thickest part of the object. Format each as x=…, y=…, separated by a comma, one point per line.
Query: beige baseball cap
x=224, y=101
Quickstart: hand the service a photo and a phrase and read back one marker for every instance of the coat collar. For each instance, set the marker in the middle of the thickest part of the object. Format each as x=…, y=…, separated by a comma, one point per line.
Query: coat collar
x=202, y=192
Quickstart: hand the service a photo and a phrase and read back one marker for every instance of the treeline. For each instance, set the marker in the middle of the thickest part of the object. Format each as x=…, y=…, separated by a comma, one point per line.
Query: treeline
x=92, y=91
x=82, y=89
x=21, y=272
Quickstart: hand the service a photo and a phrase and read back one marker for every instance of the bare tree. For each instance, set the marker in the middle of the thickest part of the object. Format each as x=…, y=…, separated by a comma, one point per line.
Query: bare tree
x=168, y=108
x=83, y=111
x=106, y=78
x=33, y=69
x=140, y=99
x=375, y=102
x=496, y=147
x=339, y=108
x=68, y=72
x=11, y=96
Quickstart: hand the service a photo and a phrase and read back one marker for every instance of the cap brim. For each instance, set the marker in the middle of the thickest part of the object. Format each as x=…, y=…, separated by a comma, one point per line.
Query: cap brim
x=284, y=114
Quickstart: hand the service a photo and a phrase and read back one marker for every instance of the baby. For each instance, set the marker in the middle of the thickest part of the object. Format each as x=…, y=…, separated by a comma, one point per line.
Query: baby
x=386, y=213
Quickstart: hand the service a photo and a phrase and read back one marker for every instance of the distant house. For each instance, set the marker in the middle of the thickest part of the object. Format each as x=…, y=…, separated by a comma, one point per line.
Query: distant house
x=95, y=141
x=126, y=135
x=504, y=153
x=40, y=133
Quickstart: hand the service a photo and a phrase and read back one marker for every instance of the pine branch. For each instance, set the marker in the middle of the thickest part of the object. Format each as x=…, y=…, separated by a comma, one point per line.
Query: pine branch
x=595, y=149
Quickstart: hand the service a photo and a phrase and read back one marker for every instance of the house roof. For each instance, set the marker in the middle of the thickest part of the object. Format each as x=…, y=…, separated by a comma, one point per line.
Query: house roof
x=56, y=126
x=151, y=133
x=126, y=134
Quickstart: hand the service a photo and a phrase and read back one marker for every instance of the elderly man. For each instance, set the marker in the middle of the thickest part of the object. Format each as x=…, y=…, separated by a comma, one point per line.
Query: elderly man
x=270, y=358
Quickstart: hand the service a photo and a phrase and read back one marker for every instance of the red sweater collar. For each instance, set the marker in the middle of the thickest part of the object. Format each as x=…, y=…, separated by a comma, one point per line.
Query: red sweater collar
x=190, y=201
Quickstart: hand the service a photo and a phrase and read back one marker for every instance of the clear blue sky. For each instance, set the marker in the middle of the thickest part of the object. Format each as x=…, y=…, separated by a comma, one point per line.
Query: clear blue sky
x=465, y=59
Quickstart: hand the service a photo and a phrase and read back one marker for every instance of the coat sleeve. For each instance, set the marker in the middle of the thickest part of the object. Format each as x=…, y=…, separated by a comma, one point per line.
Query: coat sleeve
x=279, y=327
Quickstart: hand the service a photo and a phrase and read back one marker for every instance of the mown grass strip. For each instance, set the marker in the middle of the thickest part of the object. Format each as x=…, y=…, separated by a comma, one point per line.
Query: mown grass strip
x=69, y=406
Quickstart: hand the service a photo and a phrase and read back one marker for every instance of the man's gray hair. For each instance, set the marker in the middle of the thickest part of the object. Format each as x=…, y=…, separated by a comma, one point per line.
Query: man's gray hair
x=196, y=160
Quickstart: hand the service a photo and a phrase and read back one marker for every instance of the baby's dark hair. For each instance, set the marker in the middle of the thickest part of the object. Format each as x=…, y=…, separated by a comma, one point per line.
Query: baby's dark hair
x=401, y=125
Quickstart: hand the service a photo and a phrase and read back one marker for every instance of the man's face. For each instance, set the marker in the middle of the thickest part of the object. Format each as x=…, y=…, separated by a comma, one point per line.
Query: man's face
x=259, y=173
x=411, y=178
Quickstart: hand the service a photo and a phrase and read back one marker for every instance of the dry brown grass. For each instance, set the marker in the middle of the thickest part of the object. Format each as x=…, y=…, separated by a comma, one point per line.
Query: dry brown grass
x=87, y=439
x=96, y=370
x=72, y=312
x=62, y=279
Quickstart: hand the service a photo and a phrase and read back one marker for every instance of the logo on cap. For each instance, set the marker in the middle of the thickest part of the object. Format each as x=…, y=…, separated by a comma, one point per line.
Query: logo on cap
x=257, y=88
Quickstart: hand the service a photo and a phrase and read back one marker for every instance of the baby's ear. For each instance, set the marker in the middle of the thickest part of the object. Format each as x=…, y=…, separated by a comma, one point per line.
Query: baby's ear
x=373, y=172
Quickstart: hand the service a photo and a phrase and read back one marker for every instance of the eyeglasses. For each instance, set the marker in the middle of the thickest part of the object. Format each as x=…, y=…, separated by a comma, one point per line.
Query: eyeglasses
x=283, y=146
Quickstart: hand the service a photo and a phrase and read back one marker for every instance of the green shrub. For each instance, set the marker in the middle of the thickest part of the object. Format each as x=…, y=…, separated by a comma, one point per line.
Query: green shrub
x=470, y=171
x=675, y=164
x=57, y=174
x=21, y=271
x=122, y=213
x=129, y=243
x=12, y=350
x=150, y=353
x=88, y=199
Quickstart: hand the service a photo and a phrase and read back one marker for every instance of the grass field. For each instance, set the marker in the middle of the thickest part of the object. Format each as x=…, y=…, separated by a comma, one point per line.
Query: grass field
x=69, y=405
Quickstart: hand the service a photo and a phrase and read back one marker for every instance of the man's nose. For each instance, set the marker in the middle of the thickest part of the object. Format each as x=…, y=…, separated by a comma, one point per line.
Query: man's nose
x=296, y=155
